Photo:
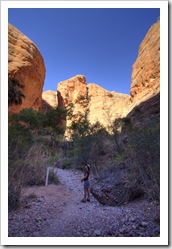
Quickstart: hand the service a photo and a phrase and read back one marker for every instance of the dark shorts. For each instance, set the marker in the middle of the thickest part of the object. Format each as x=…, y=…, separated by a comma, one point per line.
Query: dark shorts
x=86, y=184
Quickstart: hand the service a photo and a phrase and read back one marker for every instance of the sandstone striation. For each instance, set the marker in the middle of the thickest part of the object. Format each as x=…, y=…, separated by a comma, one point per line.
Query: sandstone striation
x=146, y=69
x=70, y=90
x=103, y=106
x=49, y=100
x=106, y=106
x=25, y=64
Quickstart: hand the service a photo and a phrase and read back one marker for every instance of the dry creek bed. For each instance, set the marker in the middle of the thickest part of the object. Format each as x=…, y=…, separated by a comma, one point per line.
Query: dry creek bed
x=57, y=211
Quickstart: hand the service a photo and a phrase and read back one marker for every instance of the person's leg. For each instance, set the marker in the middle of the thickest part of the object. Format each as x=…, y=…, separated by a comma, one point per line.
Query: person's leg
x=84, y=200
x=85, y=193
x=88, y=193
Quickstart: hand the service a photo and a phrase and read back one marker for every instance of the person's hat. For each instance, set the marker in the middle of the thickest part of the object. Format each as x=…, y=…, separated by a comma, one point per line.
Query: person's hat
x=88, y=166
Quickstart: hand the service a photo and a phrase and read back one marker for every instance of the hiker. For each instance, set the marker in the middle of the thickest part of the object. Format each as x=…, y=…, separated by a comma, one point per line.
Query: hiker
x=86, y=183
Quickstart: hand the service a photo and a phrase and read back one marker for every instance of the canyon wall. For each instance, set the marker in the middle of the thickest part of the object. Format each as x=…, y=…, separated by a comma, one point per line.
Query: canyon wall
x=103, y=106
x=146, y=69
x=25, y=63
x=106, y=106
x=49, y=100
x=145, y=87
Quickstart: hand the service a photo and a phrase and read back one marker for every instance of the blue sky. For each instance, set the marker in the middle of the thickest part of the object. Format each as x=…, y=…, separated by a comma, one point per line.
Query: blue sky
x=101, y=44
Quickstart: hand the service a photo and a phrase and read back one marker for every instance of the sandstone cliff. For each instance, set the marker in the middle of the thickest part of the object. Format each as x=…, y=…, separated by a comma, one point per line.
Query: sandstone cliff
x=145, y=87
x=49, y=100
x=69, y=92
x=25, y=64
x=146, y=69
x=106, y=106
x=103, y=106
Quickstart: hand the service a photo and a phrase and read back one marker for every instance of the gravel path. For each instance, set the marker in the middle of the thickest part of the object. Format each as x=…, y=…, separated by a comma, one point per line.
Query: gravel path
x=57, y=211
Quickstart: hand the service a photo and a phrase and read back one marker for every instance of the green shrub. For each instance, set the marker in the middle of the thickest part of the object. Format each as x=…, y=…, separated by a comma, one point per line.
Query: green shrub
x=51, y=160
x=31, y=117
x=19, y=141
x=67, y=164
x=15, y=94
x=14, y=192
x=146, y=147
x=135, y=171
x=119, y=157
x=53, y=178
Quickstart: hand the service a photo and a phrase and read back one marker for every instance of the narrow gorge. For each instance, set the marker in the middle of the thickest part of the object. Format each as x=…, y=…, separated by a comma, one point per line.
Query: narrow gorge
x=26, y=64
x=81, y=122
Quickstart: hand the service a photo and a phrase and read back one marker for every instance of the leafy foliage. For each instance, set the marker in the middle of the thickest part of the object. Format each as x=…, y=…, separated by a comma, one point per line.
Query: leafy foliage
x=15, y=94
x=27, y=156
x=145, y=151
x=127, y=157
x=53, y=118
x=135, y=171
x=87, y=138
x=31, y=117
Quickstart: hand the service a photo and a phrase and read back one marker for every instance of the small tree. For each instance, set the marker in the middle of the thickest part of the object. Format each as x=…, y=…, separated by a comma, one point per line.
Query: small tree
x=30, y=117
x=86, y=137
x=53, y=118
x=15, y=95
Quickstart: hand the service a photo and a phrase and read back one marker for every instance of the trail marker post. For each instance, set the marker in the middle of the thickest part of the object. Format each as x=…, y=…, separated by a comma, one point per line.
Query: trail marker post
x=47, y=174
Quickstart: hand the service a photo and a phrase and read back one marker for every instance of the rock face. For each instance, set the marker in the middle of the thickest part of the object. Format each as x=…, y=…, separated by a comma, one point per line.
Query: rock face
x=49, y=100
x=25, y=64
x=103, y=106
x=70, y=90
x=146, y=69
x=106, y=106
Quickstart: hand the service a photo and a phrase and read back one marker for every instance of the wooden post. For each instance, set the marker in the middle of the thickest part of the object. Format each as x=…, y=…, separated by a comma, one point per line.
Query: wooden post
x=47, y=173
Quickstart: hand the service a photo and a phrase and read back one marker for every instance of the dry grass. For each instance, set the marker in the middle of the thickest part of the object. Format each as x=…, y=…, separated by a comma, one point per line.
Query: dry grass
x=28, y=171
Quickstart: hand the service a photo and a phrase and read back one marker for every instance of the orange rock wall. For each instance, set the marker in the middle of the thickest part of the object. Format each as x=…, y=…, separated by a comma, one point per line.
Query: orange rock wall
x=26, y=64
x=71, y=89
x=49, y=100
x=103, y=106
x=146, y=69
x=106, y=106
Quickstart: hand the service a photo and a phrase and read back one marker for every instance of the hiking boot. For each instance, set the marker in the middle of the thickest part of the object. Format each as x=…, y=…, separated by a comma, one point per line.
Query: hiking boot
x=88, y=200
x=83, y=200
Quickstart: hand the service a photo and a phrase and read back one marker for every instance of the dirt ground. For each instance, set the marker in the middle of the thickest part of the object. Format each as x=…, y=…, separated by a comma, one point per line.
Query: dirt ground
x=57, y=211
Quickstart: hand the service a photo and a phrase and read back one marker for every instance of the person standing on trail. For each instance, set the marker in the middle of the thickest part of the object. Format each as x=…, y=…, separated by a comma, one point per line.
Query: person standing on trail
x=86, y=184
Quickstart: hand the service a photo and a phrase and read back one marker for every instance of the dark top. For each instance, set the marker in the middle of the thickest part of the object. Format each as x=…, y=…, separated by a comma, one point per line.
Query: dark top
x=87, y=174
